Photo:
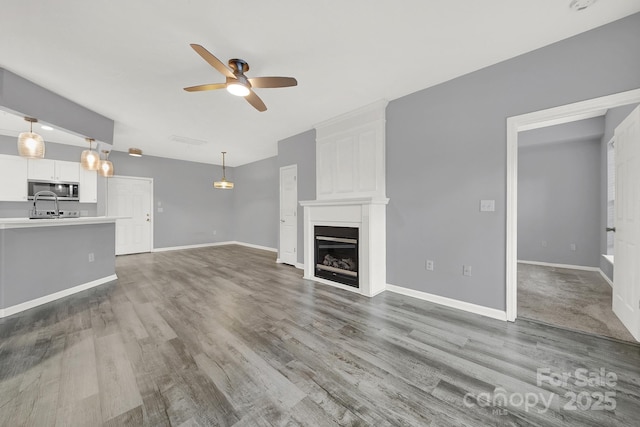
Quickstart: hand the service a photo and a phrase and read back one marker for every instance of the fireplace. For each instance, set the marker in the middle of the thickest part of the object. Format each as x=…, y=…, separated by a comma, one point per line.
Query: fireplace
x=336, y=254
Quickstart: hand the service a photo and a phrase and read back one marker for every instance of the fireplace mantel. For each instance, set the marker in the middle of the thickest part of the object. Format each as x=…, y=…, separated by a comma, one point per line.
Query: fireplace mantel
x=368, y=214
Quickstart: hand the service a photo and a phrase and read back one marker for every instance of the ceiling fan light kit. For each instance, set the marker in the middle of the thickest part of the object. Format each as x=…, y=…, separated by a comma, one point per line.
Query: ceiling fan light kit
x=223, y=183
x=30, y=144
x=236, y=82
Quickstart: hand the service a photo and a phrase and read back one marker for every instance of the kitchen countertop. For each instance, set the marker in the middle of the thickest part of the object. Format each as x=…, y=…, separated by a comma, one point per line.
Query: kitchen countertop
x=6, y=223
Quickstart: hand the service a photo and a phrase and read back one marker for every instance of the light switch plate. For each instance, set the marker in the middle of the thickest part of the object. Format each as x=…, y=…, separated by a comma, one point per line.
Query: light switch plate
x=487, y=205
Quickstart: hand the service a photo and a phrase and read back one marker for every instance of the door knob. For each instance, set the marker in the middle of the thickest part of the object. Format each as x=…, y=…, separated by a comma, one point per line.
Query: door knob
x=282, y=220
x=611, y=229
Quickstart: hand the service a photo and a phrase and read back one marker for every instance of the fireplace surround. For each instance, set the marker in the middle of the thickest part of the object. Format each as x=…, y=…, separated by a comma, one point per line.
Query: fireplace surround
x=367, y=216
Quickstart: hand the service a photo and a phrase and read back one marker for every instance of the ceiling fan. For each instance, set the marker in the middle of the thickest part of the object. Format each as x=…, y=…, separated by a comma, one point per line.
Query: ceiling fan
x=237, y=83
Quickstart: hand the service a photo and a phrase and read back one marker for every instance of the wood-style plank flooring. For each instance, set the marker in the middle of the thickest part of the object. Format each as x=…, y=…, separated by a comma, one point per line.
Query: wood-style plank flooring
x=224, y=336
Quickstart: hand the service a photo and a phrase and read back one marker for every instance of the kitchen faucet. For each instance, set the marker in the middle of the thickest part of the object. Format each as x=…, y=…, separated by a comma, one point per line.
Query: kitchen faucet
x=46, y=193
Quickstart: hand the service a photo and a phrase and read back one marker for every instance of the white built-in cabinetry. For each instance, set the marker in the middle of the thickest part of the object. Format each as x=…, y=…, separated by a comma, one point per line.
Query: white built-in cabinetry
x=15, y=171
x=88, y=186
x=350, y=155
x=53, y=170
x=13, y=177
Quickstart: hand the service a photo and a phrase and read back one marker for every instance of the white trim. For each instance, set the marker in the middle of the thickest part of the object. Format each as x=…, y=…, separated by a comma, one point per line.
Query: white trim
x=179, y=248
x=251, y=245
x=516, y=123
x=205, y=245
x=606, y=278
x=299, y=265
x=449, y=302
x=54, y=296
x=554, y=265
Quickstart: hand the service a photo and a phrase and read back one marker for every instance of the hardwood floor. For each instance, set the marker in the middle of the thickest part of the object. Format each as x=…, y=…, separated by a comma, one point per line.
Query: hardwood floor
x=225, y=336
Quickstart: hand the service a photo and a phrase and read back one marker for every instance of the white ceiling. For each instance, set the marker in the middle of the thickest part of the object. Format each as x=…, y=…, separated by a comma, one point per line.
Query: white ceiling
x=129, y=60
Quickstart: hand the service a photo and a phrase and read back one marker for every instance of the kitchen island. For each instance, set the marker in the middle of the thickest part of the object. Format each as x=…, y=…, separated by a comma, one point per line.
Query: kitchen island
x=42, y=260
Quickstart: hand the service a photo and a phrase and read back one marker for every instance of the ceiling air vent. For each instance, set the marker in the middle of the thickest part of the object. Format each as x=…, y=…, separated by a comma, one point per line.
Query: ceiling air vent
x=581, y=4
x=186, y=140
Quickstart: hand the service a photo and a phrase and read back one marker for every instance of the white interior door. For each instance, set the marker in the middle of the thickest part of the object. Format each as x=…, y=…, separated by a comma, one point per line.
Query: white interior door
x=131, y=198
x=626, y=284
x=288, y=214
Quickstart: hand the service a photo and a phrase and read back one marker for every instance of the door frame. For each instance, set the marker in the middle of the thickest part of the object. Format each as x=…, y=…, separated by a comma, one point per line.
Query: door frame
x=534, y=120
x=151, y=214
x=292, y=166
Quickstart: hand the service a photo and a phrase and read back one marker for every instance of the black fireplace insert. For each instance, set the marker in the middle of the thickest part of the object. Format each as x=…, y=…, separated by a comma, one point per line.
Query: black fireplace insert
x=337, y=254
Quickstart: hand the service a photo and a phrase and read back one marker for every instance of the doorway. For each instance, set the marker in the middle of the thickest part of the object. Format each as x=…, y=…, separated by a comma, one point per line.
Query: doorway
x=287, y=251
x=132, y=199
x=557, y=115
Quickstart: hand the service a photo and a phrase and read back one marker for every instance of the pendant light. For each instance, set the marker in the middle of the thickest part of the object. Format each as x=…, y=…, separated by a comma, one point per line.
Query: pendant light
x=31, y=145
x=90, y=160
x=223, y=184
x=106, y=167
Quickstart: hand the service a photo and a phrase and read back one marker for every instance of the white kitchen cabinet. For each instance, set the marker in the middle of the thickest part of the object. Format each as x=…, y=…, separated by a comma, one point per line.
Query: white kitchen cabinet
x=13, y=176
x=53, y=170
x=88, y=186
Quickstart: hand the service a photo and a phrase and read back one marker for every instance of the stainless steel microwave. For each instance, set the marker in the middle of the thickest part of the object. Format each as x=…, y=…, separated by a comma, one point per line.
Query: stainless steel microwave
x=64, y=190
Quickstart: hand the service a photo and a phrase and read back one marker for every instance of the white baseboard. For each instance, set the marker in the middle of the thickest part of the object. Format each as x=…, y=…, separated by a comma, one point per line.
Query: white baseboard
x=201, y=245
x=251, y=245
x=449, y=302
x=54, y=296
x=605, y=277
x=550, y=264
x=205, y=245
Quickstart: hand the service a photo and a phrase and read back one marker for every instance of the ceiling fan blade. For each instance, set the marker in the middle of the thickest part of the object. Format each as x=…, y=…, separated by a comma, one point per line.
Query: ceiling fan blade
x=273, y=82
x=201, y=88
x=255, y=100
x=212, y=60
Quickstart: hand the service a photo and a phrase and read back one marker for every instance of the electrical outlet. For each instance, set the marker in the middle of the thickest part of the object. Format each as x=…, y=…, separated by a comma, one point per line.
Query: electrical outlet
x=160, y=210
x=429, y=265
x=91, y=257
x=573, y=247
x=487, y=205
x=466, y=270
x=544, y=243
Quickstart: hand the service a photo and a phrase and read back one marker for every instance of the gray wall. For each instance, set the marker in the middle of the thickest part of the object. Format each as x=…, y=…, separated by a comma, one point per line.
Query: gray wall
x=192, y=208
x=60, y=267
x=446, y=150
x=559, y=202
x=301, y=150
x=22, y=96
x=255, y=203
x=54, y=151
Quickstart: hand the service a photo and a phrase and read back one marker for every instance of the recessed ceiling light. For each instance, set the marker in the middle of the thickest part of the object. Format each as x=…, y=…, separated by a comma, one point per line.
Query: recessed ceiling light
x=135, y=152
x=46, y=127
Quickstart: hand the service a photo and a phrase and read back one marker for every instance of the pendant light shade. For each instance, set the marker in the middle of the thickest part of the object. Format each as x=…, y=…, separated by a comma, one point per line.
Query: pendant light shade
x=106, y=167
x=31, y=145
x=90, y=159
x=223, y=183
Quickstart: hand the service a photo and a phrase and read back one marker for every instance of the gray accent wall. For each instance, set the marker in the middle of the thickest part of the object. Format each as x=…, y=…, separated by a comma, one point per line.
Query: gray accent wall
x=21, y=96
x=61, y=263
x=300, y=150
x=193, y=211
x=559, y=202
x=446, y=150
x=255, y=203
